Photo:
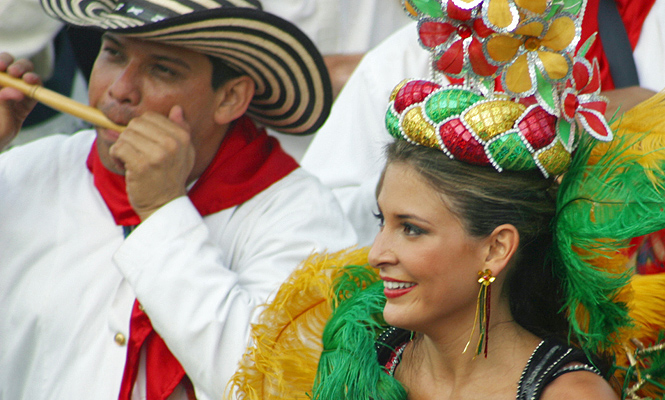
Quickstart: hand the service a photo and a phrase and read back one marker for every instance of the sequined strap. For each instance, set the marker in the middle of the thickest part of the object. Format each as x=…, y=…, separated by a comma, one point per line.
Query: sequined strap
x=549, y=361
x=390, y=345
x=395, y=359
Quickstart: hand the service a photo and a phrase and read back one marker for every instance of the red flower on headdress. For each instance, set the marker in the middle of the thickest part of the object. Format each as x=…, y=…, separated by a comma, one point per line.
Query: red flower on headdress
x=456, y=42
x=581, y=101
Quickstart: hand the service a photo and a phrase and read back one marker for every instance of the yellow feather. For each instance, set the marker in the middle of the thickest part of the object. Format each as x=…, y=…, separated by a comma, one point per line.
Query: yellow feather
x=646, y=310
x=286, y=344
x=647, y=305
x=644, y=128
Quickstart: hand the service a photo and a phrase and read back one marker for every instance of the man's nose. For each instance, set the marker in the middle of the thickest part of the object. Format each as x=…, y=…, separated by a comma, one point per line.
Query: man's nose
x=125, y=88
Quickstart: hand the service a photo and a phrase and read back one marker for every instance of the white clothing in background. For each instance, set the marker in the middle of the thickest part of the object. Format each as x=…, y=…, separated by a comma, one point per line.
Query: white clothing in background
x=337, y=27
x=27, y=32
x=342, y=26
x=347, y=152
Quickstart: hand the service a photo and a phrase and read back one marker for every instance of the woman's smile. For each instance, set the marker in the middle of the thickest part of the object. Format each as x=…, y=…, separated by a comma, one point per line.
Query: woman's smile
x=393, y=288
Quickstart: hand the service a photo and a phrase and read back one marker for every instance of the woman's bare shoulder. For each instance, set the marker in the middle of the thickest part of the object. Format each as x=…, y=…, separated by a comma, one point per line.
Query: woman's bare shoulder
x=579, y=385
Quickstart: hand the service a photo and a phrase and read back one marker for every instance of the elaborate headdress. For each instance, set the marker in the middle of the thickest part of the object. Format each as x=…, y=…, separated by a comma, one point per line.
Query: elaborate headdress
x=527, y=96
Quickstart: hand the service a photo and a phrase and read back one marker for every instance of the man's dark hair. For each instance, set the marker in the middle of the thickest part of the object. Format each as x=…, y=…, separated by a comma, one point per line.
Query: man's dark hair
x=222, y=73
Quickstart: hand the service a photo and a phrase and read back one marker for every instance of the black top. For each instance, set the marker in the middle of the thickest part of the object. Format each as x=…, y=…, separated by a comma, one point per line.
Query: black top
x=549, y=361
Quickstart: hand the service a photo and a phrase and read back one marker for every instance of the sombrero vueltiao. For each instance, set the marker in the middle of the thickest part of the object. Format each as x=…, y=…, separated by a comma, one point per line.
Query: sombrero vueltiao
x=293, y=91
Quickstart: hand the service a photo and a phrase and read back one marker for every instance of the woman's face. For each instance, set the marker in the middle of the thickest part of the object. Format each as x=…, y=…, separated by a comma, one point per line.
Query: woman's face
x=428, y=263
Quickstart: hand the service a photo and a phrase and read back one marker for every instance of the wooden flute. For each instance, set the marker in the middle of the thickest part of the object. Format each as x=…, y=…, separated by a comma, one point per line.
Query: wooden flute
x=59, y=102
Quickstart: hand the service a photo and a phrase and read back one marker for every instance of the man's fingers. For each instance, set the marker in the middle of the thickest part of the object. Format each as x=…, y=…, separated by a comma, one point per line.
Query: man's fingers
x=155, y=152
x=159, y=130
x=14, y=105
x=6, y=60
x=134, y=148
x=8, y=93
x=20, y=67
x=126, y=152
x=177, y=115
x=32, y=78
x=148, y=141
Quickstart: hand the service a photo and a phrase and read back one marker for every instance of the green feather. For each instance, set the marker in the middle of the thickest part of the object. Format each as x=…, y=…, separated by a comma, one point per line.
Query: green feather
x=600, y=208
x=348, y=368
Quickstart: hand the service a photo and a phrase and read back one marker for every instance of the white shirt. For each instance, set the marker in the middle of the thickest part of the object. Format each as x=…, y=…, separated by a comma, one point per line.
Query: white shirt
x=342, y=26
x=69, y=279
x=337, y=27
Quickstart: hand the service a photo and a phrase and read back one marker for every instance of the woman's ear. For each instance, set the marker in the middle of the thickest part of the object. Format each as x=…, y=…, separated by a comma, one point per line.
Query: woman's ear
x=233, y=98
x=503, y=244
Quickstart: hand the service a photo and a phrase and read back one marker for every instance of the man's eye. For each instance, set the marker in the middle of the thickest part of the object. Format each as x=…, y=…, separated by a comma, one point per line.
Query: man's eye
x=164, y=70
x=111, y=51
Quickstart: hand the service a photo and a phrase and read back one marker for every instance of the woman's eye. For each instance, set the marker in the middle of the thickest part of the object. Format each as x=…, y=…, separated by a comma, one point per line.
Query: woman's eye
x=412, y=230
x=379, y=216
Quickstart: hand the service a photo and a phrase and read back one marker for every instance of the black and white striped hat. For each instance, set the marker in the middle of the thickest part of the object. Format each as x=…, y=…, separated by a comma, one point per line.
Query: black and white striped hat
x=293, y=91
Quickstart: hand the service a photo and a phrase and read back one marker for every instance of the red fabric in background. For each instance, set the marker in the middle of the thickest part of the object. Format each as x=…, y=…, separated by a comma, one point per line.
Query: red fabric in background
x=633, y=13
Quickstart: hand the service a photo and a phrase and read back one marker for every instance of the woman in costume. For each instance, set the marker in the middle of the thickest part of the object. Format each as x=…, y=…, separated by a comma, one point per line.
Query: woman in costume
x=506, y=208
x=448, y=231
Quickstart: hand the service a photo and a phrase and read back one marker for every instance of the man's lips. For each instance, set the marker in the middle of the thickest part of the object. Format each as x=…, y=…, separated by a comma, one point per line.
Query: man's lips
x=111, y=135
x=118, y=115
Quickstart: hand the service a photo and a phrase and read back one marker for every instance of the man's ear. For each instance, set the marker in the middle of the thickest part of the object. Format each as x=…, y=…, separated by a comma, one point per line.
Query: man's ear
x=233, y=98
x=503, y=243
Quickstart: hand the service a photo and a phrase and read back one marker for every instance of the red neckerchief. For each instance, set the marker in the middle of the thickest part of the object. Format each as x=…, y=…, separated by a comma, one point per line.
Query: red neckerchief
x=247, y=162
x=633, y=13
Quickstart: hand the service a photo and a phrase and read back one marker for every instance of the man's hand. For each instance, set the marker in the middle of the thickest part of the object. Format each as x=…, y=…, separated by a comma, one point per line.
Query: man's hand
x=14, y=105
x=158, y=157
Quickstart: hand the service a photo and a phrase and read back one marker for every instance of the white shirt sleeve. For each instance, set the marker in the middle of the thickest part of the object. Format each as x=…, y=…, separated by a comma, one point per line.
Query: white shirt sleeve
x=201, y=280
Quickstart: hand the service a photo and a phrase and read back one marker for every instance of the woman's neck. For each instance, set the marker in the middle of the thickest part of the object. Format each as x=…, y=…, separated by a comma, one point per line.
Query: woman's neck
x=434, y=366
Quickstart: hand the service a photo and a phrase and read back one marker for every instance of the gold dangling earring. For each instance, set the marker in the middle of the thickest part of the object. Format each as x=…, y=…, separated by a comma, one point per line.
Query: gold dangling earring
x=482, y=318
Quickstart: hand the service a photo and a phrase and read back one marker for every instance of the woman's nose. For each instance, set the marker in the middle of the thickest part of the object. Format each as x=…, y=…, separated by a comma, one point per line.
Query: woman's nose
x=381, y=252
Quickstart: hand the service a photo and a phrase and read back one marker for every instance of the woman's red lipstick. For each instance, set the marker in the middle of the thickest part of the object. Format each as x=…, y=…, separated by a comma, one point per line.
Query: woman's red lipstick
x=394, y=288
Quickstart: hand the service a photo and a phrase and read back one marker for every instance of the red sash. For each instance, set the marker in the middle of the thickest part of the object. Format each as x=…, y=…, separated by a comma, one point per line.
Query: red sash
x=247, y=162
x=633, y=13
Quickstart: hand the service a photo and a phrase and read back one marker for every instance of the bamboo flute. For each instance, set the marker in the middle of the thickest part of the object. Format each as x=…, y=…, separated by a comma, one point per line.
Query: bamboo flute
x=59, y=102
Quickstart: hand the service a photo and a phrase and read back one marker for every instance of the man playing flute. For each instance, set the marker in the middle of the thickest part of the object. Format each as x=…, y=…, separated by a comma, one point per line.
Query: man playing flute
x=133, y=260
